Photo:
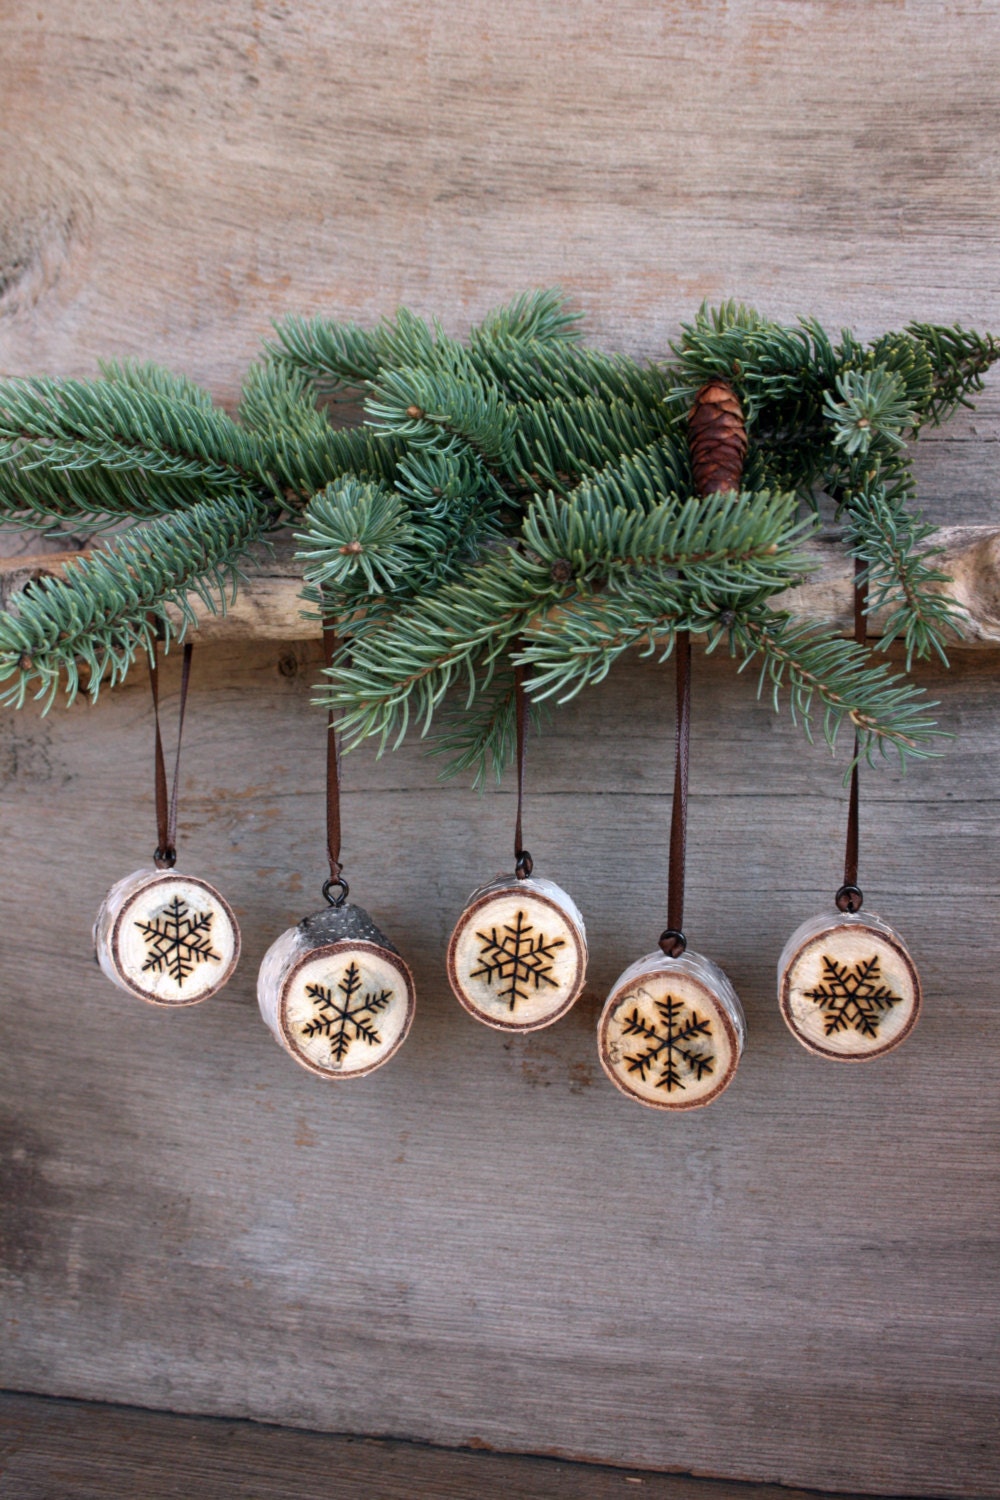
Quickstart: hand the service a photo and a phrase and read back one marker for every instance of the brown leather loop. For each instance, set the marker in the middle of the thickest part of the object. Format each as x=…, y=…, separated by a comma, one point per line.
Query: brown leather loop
x=166, y=806
x=332, y=774
x=678, y=816
x=523, y=863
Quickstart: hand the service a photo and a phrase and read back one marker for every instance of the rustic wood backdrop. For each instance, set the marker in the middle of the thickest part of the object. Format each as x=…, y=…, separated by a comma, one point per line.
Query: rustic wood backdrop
x=483, y=1244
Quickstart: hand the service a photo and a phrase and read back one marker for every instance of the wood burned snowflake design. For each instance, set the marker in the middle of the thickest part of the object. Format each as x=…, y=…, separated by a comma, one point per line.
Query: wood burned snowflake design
x=848, y=988
x=346, y=1012
x=675, y=1044
x=852, y=995
x=178, y=940
x=667, y=1038
x=346, y=1008
x=517, y=957
x=167, y=938
x=516, y=960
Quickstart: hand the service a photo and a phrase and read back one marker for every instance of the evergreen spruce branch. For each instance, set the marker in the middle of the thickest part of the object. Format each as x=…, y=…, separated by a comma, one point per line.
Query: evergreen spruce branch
x=770, y=365
x=306, y=463
x=959, y=359
x=482, y=736
x=580, y=455
x=558, y=442
x=107, y=607
x=435, y=481
x=872, y=479
x=143, y=375
x=454, y=504
x=618, y=524
x=357, y=538
x=905, y=357
x=539, y=316
x=444, y=409
x=328, y=354
x=401, y=673
x=446, y=526
x=532, y=370
x=335, y=355
x=74, y=424
x=278, y=399
x=900, y=573
x=829, y=673
x=577, y=644
x=781, y=375
x=305, y=452
x=873, y=411
x=734, y=545
x=92, y=498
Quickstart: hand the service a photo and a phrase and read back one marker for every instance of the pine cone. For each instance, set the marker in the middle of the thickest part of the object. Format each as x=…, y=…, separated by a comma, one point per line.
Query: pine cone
x=718, y=438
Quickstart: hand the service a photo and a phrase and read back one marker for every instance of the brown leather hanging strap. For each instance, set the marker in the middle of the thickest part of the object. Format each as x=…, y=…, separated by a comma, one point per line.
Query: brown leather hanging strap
x=166, y=807
x=523, y=863
x=336, y=881
x=672, y=940
x=849, y=898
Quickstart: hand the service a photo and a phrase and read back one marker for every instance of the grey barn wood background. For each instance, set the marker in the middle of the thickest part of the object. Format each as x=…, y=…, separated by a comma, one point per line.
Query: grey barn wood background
x=484, y=1243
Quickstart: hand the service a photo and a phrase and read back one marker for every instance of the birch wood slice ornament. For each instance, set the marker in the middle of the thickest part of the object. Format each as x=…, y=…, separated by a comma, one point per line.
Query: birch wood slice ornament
x=166, y=937
x=517, y=959
x=848, y=989
x=672, y=1032
x=336, y=993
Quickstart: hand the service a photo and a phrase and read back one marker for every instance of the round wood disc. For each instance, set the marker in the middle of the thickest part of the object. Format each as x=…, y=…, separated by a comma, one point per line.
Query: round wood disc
x=517, y=959
x=848, y=988
x=167, y=938
x=344, y=1008
x=671, y=1032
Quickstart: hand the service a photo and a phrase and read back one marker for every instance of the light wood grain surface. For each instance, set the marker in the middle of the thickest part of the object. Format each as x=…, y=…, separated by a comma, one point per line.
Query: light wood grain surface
x=799, y=1274
x=483, y=1242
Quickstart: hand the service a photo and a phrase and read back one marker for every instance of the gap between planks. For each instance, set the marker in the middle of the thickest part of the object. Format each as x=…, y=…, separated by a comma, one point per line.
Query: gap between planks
x=96, y=1451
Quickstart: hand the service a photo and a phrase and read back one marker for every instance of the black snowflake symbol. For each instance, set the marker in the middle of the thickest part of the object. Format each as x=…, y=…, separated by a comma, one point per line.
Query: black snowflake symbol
x=344, y=1015
x=669, y=1050
x=177, y=940
x=516, y=960
x=853, y=995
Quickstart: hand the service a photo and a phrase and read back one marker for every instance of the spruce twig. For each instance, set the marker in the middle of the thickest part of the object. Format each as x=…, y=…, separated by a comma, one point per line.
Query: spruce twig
x=516, y=489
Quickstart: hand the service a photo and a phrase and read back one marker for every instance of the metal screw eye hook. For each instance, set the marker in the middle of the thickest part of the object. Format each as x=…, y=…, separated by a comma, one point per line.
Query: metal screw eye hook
x=339, y=884
x=672, y=942
x=849, y=899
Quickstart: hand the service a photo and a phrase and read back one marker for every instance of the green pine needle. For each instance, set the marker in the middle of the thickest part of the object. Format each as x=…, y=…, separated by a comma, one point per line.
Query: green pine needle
x=514, y=496
x=110, y=605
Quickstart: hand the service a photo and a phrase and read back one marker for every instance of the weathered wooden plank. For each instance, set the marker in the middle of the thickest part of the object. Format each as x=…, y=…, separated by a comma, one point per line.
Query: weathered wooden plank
x=269, y=605
x=170, y=188
x=98, y=1452
x=195, y=1223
